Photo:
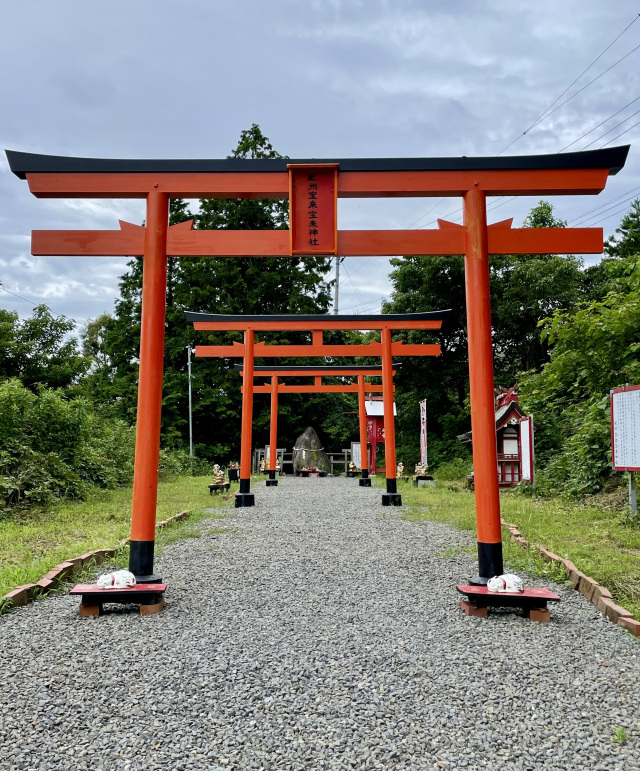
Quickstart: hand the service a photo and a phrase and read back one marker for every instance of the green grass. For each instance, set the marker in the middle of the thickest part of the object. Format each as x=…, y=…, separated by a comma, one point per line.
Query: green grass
x=602, y=543
x=35, y=541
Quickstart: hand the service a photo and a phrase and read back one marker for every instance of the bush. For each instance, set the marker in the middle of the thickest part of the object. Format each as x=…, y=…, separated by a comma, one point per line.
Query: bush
x=456, y=469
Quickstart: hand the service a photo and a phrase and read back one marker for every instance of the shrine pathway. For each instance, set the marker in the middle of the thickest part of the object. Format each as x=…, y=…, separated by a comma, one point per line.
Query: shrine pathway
x=320, y=631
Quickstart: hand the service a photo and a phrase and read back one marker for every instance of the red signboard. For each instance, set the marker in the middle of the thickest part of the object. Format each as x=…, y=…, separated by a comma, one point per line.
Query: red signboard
x=313, y=207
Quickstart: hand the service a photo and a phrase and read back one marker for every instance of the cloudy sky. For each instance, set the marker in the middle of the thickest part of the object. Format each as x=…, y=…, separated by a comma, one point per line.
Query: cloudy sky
x=322, y=78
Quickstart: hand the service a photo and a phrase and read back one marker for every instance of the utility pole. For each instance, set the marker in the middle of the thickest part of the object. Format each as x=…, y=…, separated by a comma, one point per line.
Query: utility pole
x=190, y=421
x=336, y=293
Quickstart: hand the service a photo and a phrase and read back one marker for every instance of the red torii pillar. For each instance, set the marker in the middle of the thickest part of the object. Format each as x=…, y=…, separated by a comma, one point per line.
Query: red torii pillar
x=364, y=480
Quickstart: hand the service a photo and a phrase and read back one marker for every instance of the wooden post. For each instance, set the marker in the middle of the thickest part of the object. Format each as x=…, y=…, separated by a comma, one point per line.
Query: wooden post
x=145, y=475
x=483, y=423
x=244, y=497
x=392, y=497
x=364, y=481
x=273, y=433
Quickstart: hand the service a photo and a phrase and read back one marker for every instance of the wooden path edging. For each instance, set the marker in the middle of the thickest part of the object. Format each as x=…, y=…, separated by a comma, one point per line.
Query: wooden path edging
x=21, y=595
x=598, y=595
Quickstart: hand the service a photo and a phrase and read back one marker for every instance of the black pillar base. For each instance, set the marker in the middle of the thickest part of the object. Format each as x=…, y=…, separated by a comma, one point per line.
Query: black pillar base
x=141, y=562
x=271, y=482
x=245, y=499
x=391, y=499
x=489, y=563
x=364, y=482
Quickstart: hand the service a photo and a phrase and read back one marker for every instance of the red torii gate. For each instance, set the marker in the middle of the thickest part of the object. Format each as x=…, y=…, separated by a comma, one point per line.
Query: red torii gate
x=314, y=187
x=316, y=325
x=276, y=387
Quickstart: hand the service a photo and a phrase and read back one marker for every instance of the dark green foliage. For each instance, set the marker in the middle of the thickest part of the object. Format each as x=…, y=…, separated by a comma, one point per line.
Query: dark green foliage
x=37, y=350
x=594, y=349
x=251, y=285
x=53, y=447
x=524, y=290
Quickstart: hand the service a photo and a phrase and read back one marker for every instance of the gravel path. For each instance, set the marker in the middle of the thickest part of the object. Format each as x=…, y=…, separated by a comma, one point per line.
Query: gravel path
x=320, y=632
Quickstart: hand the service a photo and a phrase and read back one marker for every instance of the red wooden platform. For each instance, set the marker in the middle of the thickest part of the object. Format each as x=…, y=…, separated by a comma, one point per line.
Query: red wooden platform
x=532, y=602
x=147, y=596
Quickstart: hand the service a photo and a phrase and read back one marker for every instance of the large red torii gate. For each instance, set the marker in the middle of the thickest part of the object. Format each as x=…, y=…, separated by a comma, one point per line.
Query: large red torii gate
x=472, y=179
x=276, y=387
x=249, y=350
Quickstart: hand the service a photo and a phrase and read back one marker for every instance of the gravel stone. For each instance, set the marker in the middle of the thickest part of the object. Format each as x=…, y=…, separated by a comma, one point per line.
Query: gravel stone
x=321, y=631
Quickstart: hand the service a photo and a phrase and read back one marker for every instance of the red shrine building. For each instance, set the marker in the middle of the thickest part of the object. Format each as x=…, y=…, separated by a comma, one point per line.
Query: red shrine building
x=515, y=456
x=374, y=408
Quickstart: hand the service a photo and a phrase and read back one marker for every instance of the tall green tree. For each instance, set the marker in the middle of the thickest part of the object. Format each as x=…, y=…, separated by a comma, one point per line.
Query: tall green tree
x=524, y=290
x=39, y=350
x=248, y=285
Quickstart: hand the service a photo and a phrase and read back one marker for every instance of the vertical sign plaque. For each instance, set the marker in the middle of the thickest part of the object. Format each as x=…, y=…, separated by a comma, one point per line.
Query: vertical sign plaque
x=313, y=205
x=423, y=432
x=625, y=428
x=527, y=471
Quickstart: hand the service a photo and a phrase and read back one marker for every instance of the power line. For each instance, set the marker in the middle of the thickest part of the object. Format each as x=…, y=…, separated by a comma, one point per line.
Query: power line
x=609, y=141
x=600, y=124
x=606, y=204
x=549, y=111
x=613, y=128
x=17, y=295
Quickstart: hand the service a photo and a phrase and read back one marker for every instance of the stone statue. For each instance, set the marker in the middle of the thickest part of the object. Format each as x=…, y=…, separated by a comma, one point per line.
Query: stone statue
x=352, y=466
x=421, y=471
x=263, y=465
x=218, y=475
x=234, y=465
x=400, y=470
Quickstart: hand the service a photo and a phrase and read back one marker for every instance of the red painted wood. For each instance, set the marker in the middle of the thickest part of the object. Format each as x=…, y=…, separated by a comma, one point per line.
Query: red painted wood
x=313, y=210
x=154, y=287
x=273, y=243
x=485, y=454
x=539, y=592
x=91, y=588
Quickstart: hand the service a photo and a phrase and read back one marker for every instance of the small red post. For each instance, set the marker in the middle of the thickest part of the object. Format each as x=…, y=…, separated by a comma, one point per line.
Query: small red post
x=145, y=476
x=392, y=497
x=244, y=497
x=273, y=433
x=483, y=422
x=364, y=481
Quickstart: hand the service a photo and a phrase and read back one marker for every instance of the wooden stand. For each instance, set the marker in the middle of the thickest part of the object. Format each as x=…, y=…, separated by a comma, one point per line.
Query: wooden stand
x=223, y=488
x=150, y=598
x=532, y=602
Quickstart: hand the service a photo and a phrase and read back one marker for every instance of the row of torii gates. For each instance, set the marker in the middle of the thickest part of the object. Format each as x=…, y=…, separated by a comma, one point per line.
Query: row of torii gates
x=313, y=188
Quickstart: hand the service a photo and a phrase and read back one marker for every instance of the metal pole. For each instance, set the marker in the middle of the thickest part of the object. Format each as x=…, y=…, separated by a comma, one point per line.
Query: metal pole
x=145, y=475
x=190, y=420
x=483, y=421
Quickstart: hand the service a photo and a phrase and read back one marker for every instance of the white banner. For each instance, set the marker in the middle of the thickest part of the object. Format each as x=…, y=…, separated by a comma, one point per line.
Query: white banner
x=527, y=472
x=423, y=432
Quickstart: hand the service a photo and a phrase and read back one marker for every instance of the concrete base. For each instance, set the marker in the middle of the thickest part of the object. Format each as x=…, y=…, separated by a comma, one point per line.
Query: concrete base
x=272, y=482
x=391, y=499
x=365, y=482
x=244, y=500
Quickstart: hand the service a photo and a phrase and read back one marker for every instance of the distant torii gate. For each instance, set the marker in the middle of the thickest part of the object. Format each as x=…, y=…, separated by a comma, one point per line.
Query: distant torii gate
x=276, y=387
x=317, y=325
x=313, y=188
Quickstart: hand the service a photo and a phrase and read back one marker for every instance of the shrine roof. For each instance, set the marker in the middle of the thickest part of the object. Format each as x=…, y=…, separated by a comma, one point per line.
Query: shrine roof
x=503, y=415
x=21, y=164
x=375, y=407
